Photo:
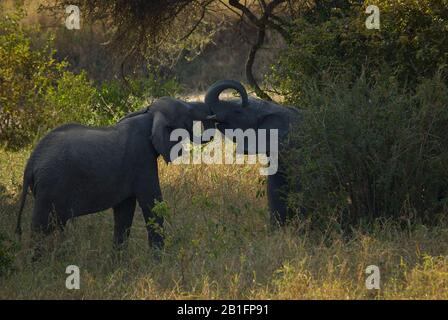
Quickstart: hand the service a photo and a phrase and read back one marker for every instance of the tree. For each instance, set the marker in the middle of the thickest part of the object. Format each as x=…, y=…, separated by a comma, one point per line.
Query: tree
x=267, y=19
x=142, y=28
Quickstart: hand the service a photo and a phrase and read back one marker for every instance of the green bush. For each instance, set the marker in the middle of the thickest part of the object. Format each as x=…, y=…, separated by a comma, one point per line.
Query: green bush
x=373, y=140
x=113, y=100
x=70, y=100
x=372, y=149
x=412, y=42
x=38, y=93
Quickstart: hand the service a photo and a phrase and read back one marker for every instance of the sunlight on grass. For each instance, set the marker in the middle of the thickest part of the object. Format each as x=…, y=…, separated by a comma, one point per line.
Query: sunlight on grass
x=219, y=245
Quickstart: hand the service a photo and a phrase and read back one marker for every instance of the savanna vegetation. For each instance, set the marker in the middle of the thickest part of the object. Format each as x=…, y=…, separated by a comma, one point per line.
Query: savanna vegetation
x=372, y=155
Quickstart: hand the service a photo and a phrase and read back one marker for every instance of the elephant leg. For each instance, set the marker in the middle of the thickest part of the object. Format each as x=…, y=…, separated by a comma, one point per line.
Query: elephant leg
x=41, y=217
x=154, y=223
x=123, y=216
x=277, y=202
x=42, y=225
x=148, y=193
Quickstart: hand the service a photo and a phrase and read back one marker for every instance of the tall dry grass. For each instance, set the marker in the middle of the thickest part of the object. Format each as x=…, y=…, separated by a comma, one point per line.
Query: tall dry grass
x=219, y=245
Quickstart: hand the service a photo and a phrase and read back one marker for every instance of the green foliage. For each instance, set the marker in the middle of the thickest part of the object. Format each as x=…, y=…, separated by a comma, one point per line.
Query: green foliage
x=161, y=209
x=38, y=93
x=113, y=100
x=372, y=149
x=372, y=140
x=6, y=256
x=412, y=41
x=25, y=75
x=70, y=100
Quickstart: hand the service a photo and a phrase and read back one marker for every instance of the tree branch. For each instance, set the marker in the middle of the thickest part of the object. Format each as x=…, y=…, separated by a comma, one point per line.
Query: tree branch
x=279, y=29
x=250, y=62
x=260, y=24
x=253, y=18
x=262, y=4
x=281, y=21
x=204, y=9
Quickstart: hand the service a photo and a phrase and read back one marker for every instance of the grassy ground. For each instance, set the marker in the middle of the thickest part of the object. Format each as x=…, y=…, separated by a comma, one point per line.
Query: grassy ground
x=219, y=245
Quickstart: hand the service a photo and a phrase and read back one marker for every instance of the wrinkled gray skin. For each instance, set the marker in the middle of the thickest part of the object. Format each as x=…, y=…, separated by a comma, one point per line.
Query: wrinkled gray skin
x=252, y=113
x=77, y=170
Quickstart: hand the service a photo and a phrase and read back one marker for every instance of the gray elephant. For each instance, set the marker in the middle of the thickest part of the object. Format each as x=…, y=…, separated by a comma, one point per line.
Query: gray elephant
x=77, y=170
x=252, y=113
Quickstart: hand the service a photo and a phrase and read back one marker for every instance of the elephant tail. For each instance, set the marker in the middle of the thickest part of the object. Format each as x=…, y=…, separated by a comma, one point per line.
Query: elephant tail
x=26, y=184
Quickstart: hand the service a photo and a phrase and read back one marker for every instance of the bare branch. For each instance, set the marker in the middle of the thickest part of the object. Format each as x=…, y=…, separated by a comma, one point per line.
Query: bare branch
x=230, y=8
x=250, y=62
x=253, y=18
x=279, y=29
x=281, y=21
x=272, y=5
x=204, y=9
x=262, y=4
x=261, y=24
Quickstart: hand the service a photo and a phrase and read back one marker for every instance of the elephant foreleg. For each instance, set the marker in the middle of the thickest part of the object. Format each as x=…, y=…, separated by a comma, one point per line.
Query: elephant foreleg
x=147, y=195
x=277, y=202
x=154, y=224
x=123, y=216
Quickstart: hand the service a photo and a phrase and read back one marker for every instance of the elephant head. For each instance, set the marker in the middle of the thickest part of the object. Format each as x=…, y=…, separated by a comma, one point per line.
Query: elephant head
x=171, y=114
x=246, y=113
x=166, y=115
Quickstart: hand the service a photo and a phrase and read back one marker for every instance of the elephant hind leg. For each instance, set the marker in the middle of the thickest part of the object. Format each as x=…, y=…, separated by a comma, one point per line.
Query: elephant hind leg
x=123, y=216
x=276, y=199
x=43, y=222
x=43, y=213
x=47, y=217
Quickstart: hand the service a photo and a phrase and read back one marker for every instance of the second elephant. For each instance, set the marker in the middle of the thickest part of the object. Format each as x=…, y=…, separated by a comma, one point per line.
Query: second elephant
x=252, y=113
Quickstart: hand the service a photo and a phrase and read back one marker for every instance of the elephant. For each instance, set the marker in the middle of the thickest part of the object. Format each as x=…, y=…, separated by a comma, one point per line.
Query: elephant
x=77, y=170
x=253, y=113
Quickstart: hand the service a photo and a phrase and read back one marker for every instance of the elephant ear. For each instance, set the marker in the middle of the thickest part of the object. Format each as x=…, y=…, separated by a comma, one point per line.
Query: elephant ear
x=160, y=135
x=274, y=121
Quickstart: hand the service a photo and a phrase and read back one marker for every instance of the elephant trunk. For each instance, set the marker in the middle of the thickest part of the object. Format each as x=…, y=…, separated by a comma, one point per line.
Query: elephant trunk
x=212, y=95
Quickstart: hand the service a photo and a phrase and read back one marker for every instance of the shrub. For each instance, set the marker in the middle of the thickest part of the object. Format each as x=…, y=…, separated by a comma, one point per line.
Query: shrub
x=412, y=41
x=38, y=93
x=70, y=100
x=372, y=149
x=113, y=100
x=376, y=108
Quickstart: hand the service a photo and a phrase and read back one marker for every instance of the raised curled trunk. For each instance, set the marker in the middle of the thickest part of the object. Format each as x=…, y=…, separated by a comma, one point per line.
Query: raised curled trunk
x=212, y=95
